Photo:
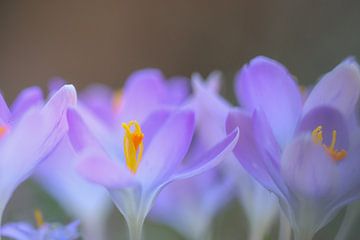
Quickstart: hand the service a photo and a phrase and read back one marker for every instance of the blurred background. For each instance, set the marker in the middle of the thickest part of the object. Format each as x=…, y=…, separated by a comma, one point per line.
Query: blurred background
x=104, y=41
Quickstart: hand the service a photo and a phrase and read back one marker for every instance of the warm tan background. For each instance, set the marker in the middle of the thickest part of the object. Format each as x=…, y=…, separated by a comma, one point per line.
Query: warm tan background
x=104, y=41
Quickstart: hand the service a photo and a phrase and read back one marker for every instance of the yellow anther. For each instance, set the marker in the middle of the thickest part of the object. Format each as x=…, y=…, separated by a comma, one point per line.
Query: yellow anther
x=335, y=154
x=38, y=218
x=3, y=130
x=133, y=145
x=317, y=136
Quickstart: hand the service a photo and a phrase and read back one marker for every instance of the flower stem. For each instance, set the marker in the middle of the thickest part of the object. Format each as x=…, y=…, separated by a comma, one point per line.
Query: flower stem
x=284, y=229
x=303, y=235
x=135, y=229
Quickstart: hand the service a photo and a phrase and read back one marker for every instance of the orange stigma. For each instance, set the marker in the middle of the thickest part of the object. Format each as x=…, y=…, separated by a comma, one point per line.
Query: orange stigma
x=133, y=145
x=3, y=130
x=335, y=154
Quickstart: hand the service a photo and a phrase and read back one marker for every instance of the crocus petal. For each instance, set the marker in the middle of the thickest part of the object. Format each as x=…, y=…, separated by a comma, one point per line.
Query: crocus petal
x=267, y=85
x=80, y=136
x=143, y=92
x=211, y=158
x=246, y=150
x=301, y=164
x=178, y=90
x=167, y=148
x=99, y=100
x=152, y=123
x=4, y=110
x=98, y=168
x=339, y=88
x=27, y=145
x=29, y=97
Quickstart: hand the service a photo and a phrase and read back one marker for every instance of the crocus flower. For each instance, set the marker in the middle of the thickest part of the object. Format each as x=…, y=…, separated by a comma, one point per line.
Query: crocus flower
x=260, y=206
x=28, y=132
x=43, y=231
x=307, y=153
x=103, y=110
x=149, y=157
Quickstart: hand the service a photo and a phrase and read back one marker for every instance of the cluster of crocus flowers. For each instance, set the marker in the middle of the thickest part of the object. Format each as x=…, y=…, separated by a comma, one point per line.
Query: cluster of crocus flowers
x=159, y=142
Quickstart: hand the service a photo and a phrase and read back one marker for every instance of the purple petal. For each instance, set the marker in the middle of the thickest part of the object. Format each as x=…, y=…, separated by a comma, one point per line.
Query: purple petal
x=35, y=135
x=99, y=99
x=330, y=119
x=98, y=168
x=339, y=88
x=4, y=110
x=144, y=91
x=308, y=170
x=29, y=97
x=152, y=124
x=267, y=85
x=80, y=136
x=246, y=150
x=178, y=90
x=167, y=148
x=212, y=157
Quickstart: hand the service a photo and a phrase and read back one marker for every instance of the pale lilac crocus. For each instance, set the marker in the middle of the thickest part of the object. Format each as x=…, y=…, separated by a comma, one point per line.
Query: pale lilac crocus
x=42, y=231
x=29, y=131
x=147, y=158
x=307, y=153
x=103, y=110
x=260, y=205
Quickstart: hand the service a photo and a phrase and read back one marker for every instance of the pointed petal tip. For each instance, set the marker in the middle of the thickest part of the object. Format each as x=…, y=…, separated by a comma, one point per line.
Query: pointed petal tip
x=70, y=91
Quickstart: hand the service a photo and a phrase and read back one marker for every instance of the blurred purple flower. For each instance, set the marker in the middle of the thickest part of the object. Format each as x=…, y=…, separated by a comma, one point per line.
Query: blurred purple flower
x=43, y=231
x=28, y=133
x=260, y=205
x=307, y=153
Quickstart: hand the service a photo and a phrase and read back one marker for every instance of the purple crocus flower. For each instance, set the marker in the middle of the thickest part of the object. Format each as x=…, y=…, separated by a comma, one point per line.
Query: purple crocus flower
x=135, y=168
x=260, y=205
x=307, y=153
x=28, y=132
x=103, y=110
x=43, y=231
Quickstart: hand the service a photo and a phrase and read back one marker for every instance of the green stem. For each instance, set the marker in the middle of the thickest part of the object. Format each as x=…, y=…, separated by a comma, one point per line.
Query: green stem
x=351, y=215
x=303, y=235
x=284, y=229
x=135, y=229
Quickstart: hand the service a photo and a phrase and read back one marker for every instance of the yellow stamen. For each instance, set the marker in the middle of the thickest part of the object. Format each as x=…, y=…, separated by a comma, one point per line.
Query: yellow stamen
x=38, y=218
x=335, y=154
x=133, y=145
x=3, y=130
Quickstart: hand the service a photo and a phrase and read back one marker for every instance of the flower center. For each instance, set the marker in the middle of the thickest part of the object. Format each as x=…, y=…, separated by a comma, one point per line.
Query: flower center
x=133, y=145
x=3, y=130
x=335, y=154
x=39, y=220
